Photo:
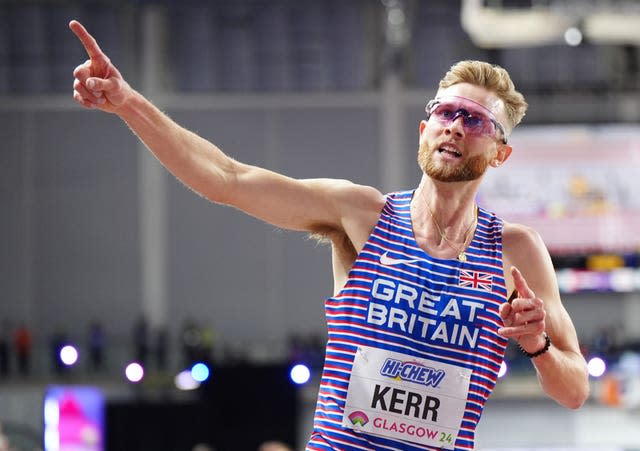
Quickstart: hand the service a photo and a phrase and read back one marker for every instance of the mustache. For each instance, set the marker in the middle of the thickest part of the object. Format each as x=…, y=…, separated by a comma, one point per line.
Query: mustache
x=470, y=169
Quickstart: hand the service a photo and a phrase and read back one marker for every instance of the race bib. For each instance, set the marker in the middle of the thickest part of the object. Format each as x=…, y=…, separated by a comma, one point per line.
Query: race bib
x=403, y=397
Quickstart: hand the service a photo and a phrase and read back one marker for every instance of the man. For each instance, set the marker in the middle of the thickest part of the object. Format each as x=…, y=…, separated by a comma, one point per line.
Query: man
x=421, y=315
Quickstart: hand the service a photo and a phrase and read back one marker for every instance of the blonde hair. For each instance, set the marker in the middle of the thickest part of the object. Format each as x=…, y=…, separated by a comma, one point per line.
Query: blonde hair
x=493, y=78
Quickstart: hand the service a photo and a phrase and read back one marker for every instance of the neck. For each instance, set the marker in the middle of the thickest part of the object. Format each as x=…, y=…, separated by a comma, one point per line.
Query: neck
x=444, y=217
x=450, y=205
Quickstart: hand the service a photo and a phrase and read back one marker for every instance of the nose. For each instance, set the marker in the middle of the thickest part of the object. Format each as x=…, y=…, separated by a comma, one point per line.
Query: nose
x=456, y=127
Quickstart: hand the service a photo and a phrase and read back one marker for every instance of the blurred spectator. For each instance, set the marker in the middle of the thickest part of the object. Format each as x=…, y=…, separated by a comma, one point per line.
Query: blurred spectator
x=5, y=348
x=96, y=343
x=141, y=340
x=206, y=344
x=58, y=341
x=604, y=342
x=162, y=347
x=23, y=342
x=191, y=341
x=296, y=348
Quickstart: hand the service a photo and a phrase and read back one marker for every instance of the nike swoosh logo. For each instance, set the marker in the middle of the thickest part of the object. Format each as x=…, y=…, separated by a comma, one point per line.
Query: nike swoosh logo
x=385, y=260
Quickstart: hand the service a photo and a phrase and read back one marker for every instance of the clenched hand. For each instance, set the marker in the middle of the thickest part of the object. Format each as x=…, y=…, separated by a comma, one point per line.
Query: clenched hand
x=98, y=83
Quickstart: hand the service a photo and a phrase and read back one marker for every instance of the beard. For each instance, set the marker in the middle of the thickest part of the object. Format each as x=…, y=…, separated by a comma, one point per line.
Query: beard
x=471, y=169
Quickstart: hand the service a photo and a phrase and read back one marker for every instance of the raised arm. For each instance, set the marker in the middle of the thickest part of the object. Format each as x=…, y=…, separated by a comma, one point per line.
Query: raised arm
x=307, y=205
x=537, y=310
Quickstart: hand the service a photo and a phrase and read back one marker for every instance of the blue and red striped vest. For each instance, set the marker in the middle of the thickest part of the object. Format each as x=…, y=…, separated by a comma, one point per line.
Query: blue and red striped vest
x=379, y=307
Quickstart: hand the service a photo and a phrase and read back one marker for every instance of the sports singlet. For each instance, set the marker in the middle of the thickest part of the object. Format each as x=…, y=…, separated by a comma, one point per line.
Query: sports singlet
x=413, y=351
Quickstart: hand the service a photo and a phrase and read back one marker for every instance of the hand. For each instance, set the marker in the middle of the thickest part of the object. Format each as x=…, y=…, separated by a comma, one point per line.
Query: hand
x=524, y=317
x=97, y=84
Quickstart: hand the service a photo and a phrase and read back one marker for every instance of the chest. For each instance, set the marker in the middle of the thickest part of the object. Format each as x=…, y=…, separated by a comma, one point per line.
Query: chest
x=453, y=308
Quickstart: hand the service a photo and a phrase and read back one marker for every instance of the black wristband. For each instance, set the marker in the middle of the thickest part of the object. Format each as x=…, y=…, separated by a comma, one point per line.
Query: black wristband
x=545, y=348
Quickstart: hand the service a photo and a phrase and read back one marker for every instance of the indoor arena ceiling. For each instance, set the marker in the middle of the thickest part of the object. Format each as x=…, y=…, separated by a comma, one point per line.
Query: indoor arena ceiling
x=496, y=24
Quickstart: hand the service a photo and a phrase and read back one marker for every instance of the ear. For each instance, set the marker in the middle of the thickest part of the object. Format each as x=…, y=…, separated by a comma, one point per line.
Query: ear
x=421, y=127
x=503, y=152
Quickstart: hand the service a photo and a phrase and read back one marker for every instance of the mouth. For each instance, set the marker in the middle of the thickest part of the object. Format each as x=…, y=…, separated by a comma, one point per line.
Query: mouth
x=449, y=150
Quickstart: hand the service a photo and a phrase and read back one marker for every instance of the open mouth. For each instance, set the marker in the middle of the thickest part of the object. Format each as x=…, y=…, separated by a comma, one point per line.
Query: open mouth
x=449, y=150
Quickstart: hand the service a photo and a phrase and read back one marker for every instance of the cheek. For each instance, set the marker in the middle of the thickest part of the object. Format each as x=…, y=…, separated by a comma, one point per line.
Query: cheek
x=423, y=155
x=429, y=131
x=424, y=137
x=479, y=164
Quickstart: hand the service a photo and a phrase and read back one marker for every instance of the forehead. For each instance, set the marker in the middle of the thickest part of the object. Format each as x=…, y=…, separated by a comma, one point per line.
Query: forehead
x=478, y=94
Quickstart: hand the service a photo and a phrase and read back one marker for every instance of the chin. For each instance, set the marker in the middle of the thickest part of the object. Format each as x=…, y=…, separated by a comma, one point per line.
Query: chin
x=471, y=170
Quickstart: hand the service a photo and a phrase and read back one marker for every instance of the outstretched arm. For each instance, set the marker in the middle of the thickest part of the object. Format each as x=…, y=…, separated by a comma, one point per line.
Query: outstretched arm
x=307, y=205
x=537, y=310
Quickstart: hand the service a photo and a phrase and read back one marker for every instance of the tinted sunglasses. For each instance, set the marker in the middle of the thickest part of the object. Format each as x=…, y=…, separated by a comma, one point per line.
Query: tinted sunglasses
x=477, y=119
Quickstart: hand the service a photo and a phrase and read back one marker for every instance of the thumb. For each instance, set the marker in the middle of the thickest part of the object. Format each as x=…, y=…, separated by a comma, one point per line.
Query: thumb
x=97, y=84
x=521, y=284
x=101, y=84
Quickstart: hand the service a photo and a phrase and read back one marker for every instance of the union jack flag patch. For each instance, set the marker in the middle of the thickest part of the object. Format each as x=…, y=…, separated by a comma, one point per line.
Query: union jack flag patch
x=475, y=279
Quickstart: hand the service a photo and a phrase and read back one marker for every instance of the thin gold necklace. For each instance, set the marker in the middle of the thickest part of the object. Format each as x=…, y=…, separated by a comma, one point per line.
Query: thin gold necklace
x=460, y=250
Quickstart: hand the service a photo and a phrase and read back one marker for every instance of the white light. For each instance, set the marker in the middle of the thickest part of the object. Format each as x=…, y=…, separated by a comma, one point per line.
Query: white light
x=51, y=412
x=200, y=372
x=51, y=422
x=51, y=438
x=185, y=381
x=69, y=355
x=573, y=36
x=596, y=367
x=134, y=372
x=300, y=374
x=503, y=369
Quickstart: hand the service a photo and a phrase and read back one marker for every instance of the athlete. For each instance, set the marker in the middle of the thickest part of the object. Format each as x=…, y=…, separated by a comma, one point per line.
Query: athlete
x=429, y=287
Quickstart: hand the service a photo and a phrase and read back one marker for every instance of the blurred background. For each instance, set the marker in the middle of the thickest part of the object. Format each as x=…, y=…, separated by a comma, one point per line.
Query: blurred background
x=134, y=315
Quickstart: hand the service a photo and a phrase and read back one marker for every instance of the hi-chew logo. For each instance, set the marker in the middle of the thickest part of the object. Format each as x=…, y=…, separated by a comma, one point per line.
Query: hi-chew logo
x=412, y=371
x=358, y=418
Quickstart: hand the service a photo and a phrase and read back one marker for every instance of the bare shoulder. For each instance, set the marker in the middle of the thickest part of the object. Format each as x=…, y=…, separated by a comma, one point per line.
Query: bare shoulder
x=364, y=199
x=347, y=187
x=347, y=196
x=519, y=239
x=358, y=207
x=524, y=248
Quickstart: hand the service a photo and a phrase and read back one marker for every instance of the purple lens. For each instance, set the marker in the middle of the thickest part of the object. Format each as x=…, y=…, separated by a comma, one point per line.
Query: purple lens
x=475, y=122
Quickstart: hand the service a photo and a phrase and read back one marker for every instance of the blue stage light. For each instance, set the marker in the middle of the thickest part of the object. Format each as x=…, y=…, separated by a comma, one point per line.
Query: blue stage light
x=200, y=372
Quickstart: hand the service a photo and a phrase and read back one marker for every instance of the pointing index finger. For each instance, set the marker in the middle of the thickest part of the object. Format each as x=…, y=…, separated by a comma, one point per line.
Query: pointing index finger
x=521, y=284
x=88, y=41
